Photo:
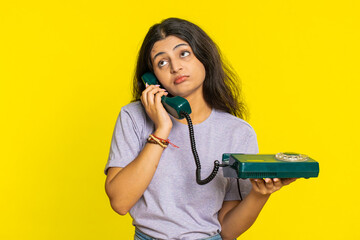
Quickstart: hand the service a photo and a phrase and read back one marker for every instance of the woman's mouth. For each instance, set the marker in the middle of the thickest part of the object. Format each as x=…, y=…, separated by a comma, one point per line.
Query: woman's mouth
x=180, y=79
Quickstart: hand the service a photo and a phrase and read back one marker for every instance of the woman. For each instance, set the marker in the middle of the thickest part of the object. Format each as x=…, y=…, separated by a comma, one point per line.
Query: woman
x=156, y=184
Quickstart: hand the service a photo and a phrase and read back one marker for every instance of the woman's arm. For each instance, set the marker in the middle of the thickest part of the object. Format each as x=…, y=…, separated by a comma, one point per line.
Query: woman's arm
x=124, y=186
x=236, y=217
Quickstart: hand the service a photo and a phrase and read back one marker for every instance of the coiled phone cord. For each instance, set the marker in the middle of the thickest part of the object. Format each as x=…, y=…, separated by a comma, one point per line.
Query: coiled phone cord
x=196, y=157
x=197, y=161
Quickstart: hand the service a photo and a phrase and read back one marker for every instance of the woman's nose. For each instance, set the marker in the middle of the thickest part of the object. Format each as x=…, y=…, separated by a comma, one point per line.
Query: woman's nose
x=175, y=66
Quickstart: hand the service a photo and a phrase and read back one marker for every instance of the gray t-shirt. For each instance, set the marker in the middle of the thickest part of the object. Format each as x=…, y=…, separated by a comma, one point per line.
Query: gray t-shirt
x=174, y=206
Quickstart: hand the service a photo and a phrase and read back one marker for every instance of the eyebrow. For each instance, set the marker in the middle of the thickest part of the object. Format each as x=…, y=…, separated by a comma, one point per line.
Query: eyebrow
x=179, y=45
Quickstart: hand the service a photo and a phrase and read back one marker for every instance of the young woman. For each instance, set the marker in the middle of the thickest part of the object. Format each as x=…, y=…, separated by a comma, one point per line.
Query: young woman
x=157, y=184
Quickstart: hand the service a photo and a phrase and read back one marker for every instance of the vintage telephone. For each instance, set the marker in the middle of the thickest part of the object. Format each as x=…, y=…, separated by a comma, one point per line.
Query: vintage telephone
x=281, y=165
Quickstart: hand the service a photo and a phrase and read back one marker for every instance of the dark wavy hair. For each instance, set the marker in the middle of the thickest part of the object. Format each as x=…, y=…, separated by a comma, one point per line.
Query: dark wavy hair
x=221, y=87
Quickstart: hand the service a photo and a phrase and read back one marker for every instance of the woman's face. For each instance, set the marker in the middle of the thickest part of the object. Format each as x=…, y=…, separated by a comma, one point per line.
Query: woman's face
x=177, y=68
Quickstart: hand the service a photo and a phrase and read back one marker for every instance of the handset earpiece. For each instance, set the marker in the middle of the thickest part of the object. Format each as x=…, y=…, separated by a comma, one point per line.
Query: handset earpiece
x=173, y=105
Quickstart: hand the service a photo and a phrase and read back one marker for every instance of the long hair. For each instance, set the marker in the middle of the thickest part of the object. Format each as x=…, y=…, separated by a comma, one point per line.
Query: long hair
x=221, y=87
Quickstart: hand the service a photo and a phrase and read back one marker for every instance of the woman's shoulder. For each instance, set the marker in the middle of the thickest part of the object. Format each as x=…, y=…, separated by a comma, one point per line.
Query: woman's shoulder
x=134, y=107
x=134, y=111
x=133, y=116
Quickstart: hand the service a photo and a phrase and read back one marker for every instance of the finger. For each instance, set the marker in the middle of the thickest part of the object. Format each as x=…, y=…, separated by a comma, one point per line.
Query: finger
x=269, y=183
x=277, y=183
x=254, y=184
x=151, y=94
x=145, y=94
x=149, y=88
x=260, y=182
x=262, y=186
x=158, y=96
x=143, y=97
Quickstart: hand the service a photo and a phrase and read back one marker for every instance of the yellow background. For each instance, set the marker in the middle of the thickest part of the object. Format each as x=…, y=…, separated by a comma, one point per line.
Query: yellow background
x=66, y=70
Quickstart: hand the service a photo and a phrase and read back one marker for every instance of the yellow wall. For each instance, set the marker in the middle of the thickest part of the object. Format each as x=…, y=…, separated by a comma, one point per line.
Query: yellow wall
x=65, y=72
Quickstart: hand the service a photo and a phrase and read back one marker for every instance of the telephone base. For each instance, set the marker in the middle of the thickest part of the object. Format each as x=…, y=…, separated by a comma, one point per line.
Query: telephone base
x=267, y=166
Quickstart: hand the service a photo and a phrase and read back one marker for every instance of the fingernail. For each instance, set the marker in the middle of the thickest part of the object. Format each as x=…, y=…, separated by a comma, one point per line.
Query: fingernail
x=157, y=85
x=146, y=85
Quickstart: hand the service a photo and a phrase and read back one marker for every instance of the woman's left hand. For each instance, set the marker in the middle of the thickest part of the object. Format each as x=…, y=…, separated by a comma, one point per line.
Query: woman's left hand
x=268, y=186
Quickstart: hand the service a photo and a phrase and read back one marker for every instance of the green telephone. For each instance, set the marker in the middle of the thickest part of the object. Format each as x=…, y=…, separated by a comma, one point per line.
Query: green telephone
x=176, y=106
x=280, y=165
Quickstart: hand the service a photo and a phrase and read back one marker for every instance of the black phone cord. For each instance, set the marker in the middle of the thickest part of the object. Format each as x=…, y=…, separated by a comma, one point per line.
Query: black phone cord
x=196, y=156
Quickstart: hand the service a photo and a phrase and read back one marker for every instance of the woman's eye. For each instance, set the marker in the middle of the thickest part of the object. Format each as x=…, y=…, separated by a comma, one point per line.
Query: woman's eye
x=162, y=63
x=185, y=53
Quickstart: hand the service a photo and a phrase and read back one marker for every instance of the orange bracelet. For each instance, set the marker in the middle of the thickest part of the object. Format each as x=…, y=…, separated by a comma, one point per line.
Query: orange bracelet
x=153, y=139
x=162, y=142
x=165, y=140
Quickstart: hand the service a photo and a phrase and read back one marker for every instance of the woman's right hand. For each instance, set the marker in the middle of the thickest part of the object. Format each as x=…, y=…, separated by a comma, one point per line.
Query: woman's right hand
x=151, y=100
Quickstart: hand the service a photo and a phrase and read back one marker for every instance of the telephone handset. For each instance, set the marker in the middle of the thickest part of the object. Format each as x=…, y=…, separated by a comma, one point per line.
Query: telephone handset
x=179, y=108
x=176, y=106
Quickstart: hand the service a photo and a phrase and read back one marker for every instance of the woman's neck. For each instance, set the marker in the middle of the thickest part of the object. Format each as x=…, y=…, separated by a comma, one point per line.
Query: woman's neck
x=200, y=110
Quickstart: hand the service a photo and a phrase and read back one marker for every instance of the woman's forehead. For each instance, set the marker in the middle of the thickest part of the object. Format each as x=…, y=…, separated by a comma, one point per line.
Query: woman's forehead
x=167, y=44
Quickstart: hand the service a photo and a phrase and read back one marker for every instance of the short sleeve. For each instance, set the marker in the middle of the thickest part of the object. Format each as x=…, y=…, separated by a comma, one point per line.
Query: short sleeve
x=252, y=144
x=126, y=141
